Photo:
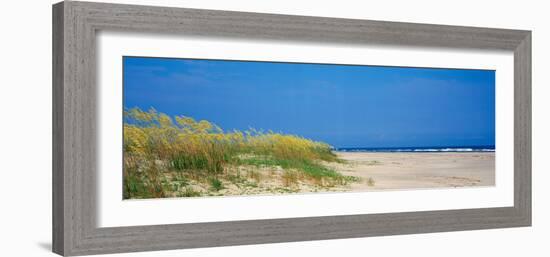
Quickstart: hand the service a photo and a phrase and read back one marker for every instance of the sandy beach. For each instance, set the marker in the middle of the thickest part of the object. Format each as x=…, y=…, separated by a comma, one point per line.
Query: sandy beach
x=380, y=171
x=374, y=172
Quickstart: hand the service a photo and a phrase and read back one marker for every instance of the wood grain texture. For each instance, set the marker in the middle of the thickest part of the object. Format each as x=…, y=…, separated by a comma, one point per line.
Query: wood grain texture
x=522, y=128
x=74, y=123
x=58, y=229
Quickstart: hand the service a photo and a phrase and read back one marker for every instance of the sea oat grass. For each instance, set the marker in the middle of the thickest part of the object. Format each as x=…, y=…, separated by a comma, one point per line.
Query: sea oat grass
x=156, y=144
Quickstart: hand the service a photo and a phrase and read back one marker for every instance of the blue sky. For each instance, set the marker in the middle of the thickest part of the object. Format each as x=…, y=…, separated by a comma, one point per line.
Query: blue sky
x=343, y=105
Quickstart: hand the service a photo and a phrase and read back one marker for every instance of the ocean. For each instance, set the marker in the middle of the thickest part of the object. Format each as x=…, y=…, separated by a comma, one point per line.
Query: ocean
x=484, y=148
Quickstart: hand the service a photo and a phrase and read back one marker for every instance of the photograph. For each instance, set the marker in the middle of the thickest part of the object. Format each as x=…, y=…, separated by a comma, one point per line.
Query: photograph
x=196, y=128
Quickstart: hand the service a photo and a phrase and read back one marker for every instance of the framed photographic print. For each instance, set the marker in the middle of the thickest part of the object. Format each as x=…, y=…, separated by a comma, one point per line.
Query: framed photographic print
x=182, y=128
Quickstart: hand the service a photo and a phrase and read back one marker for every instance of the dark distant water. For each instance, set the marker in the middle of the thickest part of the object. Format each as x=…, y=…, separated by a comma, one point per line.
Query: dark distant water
x=484, y=148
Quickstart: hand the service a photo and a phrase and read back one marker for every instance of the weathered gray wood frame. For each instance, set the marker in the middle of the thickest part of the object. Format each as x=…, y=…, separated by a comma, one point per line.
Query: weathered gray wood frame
x=74, y=129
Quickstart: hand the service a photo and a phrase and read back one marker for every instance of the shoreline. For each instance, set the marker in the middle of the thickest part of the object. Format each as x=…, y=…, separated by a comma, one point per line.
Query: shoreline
x=411, y=152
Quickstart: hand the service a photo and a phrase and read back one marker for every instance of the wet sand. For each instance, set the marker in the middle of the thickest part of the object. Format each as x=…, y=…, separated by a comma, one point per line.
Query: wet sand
x=380, y=171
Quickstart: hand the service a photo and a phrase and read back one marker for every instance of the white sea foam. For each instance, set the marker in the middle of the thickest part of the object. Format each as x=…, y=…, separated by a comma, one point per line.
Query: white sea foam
x=412, y=149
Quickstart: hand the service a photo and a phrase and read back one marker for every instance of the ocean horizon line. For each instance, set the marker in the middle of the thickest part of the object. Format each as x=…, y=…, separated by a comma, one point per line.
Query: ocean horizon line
x=484, y=148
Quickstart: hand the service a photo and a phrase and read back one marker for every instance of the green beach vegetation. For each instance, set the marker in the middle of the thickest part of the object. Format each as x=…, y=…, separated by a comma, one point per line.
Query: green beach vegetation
x=181, y=157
